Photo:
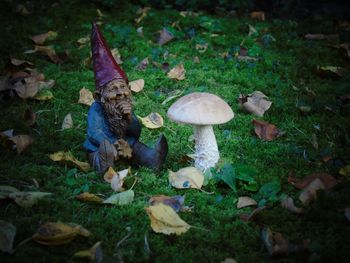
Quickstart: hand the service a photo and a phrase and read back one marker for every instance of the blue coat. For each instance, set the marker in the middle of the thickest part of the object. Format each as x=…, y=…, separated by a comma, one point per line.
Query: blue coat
x=98, y=129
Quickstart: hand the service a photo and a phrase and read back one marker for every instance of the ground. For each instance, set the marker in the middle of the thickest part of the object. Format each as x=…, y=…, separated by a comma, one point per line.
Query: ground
x=286, y=71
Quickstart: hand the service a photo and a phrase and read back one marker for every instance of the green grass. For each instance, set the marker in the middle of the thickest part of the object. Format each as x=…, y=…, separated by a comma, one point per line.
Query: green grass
x=288, y=62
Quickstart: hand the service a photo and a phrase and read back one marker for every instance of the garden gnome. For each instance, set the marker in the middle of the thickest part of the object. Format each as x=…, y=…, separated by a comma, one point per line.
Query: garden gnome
x=113, y=129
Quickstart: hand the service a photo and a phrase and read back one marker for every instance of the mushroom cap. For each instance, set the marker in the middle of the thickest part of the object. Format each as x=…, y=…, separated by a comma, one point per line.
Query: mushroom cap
x=200, y=108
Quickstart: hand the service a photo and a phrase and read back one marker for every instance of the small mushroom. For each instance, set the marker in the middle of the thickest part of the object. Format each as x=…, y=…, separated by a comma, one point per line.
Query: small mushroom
x=202, y=110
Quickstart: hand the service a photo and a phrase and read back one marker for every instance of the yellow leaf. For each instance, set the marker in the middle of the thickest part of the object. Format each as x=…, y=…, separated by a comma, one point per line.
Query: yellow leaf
x=188, y=177
x=22, y=142
x=89, y=197
x=27, y=199
x=165, y=220
x=67, y=122
x=152, y=121
x=59, y=233
x=137, y=85
x=177, y=73
x=43, y=95
x=41, y=38
x=68, y=157
x=86, y=97
x=93, y=254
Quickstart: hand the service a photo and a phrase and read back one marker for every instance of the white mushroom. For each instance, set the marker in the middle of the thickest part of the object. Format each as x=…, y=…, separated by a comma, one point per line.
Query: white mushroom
x=202, y=110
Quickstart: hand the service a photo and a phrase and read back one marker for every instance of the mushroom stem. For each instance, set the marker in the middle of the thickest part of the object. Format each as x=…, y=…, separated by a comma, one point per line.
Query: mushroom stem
x=207, y=153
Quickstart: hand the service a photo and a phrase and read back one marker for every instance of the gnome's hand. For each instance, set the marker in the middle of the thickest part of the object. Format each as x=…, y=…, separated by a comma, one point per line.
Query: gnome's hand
x=125, y=108
x=123, y=149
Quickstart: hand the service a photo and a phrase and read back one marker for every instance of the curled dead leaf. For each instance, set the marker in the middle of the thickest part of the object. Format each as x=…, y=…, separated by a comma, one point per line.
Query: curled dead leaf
x=89, y=197
x=259, y=15
x=165, y=220
x=244, y=201
x=177, y=72
x=85, y=97
x=255, y=103
x=117, y=180
x=68, y=157
x=21, y=142
x=94, y=254
x=137, y=85
x=188, y=177
x=265, y=130
x=27, y=87
x=41, y=38
x=152, y=121
x=52, y=234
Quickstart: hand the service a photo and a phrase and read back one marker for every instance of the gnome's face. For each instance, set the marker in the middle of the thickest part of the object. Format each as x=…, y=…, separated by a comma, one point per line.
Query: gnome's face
x=115, y=97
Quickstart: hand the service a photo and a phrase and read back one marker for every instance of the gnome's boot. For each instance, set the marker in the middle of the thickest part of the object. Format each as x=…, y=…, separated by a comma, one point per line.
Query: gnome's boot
x=153, y=158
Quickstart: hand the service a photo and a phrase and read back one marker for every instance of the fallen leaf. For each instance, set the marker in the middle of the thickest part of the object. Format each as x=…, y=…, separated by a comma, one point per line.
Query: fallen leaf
x=277, y=245
x=165, y=36
x=27, y=199
x=173, y=95
x=165, y=220
x=176, y=202
x=27, y=87
x=321, y=37
x=109, y=174
x=89, y=197
x=137, y=85
x=345, y=171
x=143, y=13
x=245, y=201
x=122, y=198
x=7, y=236
x=21, y=142
x=202, y=47
x=252, y=31
x=46, y=84
x=255, y=103
x=83, y=40
x=177, y=72
x=330, y=71
x=152, y=121
x=288, y=203
x=188, y=177
x=68, y=157
x=327, y=180
x=265, y=130
x=29, y=116
x=259, y=15
x=252, y=215
x=94, y=254
x=67, y=122
x=118, y=180
x=41, y=38
x=116, y=55
x=52, y=234
x=309, y=193
x=229, y=260
x=19, y=64
x=43, y=95
x=6, y=190
x=85, y=97
x=143, y=64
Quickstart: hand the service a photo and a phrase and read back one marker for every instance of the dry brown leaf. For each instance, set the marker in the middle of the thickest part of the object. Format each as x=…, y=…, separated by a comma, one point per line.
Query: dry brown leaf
x=328, y=180
x=29, y=116
x=117, y=180
x=41, y=38
x=165, y=36
x=94, y=254
x=52, y=234
x=116, y=55
x=152, y=121
x=259, y=15
x=245, y=201
x=85, y=97
x=49, y=51
x=143, y=64
x=109, y=174
x=255, y=103
x=68, y=157
x=165, y=220
x=21, y=142
x=188, y=177
x=288, y=203
x=177, y=72
x=309, y=193
x=89, y=197
x=265, y=130
x=137, y=85
x=67, y=122
x=27, y=88
x=20, y=64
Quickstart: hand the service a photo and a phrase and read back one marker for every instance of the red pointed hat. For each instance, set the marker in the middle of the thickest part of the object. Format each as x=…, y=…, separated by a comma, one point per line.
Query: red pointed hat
x=105, y=66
